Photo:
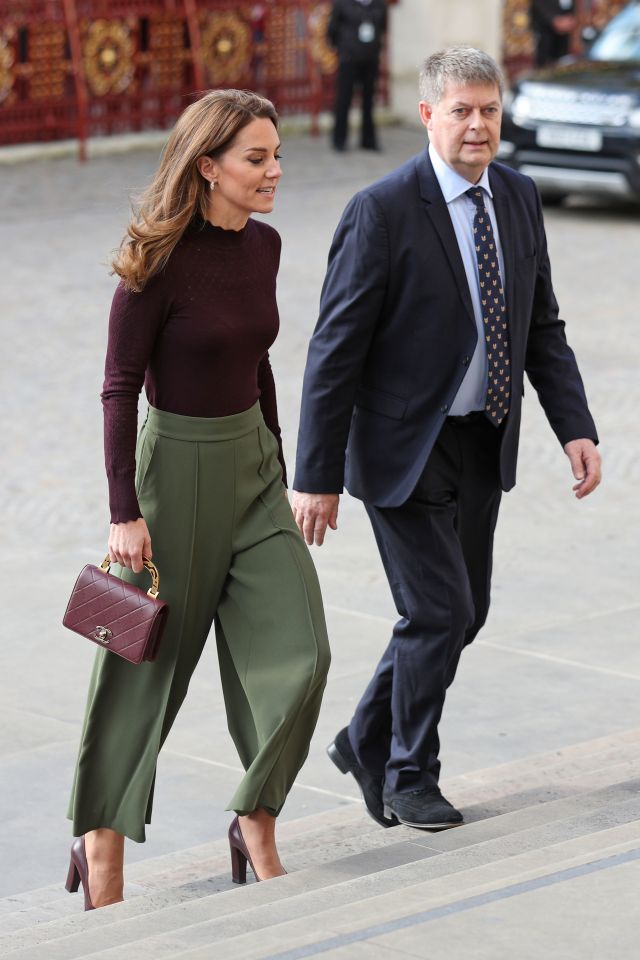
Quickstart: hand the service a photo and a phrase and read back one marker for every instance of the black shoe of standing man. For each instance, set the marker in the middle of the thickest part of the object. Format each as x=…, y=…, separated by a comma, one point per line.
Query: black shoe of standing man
x=426, y=809
x=341, y=752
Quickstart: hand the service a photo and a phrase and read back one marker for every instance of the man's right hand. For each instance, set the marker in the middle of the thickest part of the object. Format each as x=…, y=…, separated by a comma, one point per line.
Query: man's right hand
x=313, y=512
x=564, y=24
x=129, y=543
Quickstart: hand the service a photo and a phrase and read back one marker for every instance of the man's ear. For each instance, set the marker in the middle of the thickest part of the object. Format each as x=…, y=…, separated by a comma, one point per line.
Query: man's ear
x=425, y=111
x=208, y=168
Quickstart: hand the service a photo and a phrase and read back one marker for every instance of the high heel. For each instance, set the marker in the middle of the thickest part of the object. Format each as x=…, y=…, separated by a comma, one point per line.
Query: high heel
x=73, y=879
x=79, y=872
x=240, y=855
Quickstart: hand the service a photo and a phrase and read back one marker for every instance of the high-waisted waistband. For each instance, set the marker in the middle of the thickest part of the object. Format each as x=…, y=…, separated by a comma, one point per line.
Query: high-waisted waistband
x=203, y=429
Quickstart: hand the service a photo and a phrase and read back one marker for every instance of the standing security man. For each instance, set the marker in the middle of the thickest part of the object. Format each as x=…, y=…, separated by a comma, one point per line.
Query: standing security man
x=552, y=22
x=437, y=300
x=356, y=29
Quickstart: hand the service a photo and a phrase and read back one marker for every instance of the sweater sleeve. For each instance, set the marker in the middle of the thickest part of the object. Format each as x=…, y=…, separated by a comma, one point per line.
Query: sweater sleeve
x=134, y=323
x=269, y=407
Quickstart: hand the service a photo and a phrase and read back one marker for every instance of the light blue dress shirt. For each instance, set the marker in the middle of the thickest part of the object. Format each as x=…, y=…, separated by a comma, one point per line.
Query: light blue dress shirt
x=473, y=389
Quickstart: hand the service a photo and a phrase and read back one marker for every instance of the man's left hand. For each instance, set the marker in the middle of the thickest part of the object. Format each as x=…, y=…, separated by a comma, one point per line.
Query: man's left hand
x=586, y=464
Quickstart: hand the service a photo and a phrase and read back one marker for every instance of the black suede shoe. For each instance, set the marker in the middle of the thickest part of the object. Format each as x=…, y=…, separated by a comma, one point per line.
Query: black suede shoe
x=426, y=809
x=341, y=752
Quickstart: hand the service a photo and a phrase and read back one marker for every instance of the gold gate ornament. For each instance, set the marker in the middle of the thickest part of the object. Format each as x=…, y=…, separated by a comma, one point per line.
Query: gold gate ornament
x=321, y=53
x=226, y=48
x=108, y=57
x=6, y=63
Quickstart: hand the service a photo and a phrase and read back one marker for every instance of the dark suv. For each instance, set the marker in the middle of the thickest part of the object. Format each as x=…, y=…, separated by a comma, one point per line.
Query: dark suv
x=575, y=127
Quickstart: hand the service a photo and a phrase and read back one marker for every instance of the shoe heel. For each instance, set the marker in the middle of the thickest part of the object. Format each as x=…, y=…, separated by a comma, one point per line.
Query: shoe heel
x=238, y=865
x=337, y=758
x=73, y=879
x=388, y=812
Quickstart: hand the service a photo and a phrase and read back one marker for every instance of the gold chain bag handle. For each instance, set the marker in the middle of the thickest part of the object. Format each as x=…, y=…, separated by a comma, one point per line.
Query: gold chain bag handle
x=154, y=589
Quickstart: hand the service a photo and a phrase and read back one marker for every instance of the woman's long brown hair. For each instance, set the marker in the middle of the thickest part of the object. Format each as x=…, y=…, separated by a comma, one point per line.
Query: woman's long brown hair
x=178, y=192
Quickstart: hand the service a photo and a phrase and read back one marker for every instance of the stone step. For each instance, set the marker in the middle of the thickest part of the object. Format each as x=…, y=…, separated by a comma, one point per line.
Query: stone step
x=584, y=749
x=140, y=874
x=307, y=905
x=521, y=796
x=588, y=759
x=312, y=932
x=311, y=828
x=206, y=870
x=359, y=834
x=414, y=857
x=310, y=912
x=202, y=870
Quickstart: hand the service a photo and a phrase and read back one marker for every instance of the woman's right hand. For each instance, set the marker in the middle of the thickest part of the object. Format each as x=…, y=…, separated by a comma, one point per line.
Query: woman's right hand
x=128, y=543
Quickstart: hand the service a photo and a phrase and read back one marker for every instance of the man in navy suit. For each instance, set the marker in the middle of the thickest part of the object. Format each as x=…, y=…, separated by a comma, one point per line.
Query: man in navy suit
x=552, y=22
x=437, y=300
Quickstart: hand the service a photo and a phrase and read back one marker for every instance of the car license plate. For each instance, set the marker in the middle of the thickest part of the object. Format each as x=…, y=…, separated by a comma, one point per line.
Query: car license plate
x=569, y=138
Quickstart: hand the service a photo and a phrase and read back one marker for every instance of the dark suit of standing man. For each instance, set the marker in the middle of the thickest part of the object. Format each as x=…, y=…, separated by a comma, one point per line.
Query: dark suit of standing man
x=552, y=22
x=437, y=300
x=356, y=29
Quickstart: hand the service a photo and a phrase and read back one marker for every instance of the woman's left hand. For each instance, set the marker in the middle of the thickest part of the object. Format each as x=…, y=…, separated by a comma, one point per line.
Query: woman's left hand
x=128, y=543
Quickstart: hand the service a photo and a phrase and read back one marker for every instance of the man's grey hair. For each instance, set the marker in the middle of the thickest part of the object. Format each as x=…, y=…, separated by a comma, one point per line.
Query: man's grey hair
x=459, y=66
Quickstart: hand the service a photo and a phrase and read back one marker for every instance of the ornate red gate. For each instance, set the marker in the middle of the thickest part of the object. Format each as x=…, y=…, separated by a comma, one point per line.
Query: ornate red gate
x=75, y=68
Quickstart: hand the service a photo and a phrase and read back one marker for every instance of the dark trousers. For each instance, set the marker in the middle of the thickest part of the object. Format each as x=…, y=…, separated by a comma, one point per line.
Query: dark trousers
x=437, y=553
x=550, y=46
x=350, y=76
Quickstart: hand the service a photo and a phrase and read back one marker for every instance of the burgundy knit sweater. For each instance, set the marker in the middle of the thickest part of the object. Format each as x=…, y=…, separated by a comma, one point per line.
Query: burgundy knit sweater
x=197, y=336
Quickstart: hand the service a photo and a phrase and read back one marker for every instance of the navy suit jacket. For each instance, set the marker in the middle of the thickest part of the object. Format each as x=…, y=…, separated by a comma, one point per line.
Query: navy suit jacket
x=396, y=331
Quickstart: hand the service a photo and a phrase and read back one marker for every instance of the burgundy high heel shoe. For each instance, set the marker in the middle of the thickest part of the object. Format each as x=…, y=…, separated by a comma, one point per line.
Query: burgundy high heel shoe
x=79, y=872
x=240, y=855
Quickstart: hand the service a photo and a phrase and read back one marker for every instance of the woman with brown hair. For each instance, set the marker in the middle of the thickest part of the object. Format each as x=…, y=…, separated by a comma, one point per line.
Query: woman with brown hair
x=193, y=318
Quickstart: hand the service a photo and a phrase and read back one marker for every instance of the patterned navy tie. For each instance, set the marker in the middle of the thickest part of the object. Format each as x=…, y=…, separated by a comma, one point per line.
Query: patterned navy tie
x=494, y=313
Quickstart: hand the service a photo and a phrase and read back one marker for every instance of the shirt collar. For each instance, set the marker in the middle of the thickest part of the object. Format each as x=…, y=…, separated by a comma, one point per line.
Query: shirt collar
x=451, y=183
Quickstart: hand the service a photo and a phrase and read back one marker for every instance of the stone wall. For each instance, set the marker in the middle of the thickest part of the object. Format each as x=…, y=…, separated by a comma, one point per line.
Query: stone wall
x=420, y=27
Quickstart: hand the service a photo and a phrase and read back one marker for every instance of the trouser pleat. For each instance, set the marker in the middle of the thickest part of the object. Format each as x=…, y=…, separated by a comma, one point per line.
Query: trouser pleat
x=271, y=703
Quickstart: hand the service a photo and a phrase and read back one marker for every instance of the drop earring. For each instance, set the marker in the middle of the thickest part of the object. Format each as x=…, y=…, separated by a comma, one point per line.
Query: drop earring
x=212, y=184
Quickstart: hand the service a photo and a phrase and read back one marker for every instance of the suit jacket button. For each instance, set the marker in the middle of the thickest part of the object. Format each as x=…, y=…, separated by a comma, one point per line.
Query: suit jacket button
x=444, y=408
x=466, y=361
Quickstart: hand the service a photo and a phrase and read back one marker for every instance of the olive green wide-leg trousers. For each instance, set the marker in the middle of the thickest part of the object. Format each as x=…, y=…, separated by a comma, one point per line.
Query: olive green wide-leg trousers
x=229, y=553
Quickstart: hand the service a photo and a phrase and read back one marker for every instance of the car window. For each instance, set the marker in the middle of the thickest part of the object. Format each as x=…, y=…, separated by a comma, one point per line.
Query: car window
x=620, y=40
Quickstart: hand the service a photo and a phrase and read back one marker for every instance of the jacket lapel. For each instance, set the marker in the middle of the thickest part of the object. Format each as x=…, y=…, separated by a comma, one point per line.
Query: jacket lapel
x=438, y=213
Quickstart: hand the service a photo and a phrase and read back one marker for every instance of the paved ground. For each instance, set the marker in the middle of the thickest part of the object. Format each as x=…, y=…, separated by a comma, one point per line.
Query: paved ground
x=558, y=662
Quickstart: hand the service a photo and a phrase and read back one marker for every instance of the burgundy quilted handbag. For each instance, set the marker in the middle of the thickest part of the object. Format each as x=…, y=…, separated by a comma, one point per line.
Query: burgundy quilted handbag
x=115, y=614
